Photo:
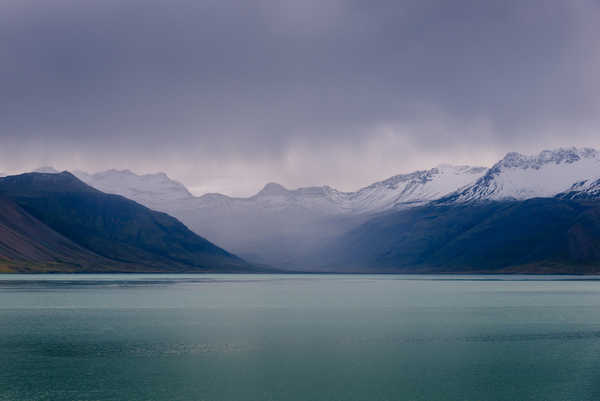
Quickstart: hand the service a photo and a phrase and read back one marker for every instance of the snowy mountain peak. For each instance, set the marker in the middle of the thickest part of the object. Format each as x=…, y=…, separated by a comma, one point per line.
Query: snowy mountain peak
x=556, y=156
x=546, y=174
x=586, y=189
x=393, y=182
x=152, y=190
x=415, y=188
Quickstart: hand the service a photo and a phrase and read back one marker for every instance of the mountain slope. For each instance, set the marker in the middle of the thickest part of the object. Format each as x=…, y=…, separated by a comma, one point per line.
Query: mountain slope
x=27, y=244
x=151, y=190
x=521, y=177
x=409, y=190
x=114, y=227
x=536, y=235
x=586, y=189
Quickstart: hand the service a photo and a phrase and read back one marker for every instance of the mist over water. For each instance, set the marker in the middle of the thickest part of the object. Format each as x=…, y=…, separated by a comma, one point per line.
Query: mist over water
x=299, y=337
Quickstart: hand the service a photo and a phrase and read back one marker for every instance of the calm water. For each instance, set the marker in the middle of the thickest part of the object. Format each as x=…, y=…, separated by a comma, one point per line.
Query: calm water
x=332, y=337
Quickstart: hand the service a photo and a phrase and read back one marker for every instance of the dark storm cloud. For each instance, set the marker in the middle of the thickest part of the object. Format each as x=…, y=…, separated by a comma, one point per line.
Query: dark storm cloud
x=226, y=95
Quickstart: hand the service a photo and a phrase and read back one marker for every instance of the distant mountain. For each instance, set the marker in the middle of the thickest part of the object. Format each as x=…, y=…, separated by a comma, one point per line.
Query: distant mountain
x=57, y=220
x=542, y=235
x=586, y=189
x=409, y=190
x=400, y=190
x=152, y=190
x=521, y=177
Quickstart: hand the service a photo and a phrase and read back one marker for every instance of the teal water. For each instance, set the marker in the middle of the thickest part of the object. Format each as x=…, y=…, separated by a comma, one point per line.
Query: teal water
x=299, y=337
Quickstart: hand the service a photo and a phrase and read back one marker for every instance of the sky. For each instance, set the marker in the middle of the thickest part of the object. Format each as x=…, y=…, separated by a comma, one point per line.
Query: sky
x=226, y=96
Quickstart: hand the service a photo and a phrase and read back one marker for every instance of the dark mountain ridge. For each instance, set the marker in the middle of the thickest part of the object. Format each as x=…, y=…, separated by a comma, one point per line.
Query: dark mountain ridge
x=27, y=244
x=540, y=235
x=96, y=231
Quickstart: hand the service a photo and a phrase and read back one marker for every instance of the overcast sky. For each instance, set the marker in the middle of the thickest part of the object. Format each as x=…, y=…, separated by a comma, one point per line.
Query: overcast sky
x=228, y=95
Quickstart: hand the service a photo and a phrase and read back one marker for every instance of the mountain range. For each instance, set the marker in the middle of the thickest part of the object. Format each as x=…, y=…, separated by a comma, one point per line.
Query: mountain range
x=283, y=227
x=278, y=226
x=525, y=212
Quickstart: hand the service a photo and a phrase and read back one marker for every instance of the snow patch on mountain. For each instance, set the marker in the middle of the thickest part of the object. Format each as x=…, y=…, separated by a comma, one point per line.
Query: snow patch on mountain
x=152, y=190
x=586, y=189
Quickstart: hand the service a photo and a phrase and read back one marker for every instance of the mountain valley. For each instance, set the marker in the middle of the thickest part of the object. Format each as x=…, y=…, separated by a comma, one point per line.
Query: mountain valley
x=525, y=213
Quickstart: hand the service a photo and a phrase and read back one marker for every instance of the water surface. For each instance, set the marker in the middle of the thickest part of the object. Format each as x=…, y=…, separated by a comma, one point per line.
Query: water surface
x=299, y=337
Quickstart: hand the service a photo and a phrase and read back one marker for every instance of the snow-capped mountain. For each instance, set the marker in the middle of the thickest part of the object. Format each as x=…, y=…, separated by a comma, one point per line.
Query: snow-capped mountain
x=411, y=189
x=520, y=177
x=153, y=190
x=586, y=189
x=399, y=191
